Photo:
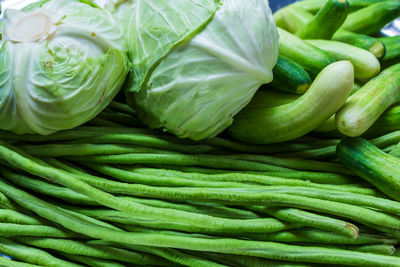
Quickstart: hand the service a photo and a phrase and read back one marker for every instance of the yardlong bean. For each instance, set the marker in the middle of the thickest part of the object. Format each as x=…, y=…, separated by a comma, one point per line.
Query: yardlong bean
x=315, y=177
x=94, y=262
x=121, y=107
x=62, y=150
x=246, y=261
x=46, y=188
x=294, y=163
x=382, y=204
x=12, y=230
x=330, y=151
x=32, y=255
x=212, y=161
x=146, y=140
x=199, y=220
x=120, y=118
x=323, y=237
x=261, y=180
x=170, y=254
x=91, y=250
x=69, y=135
x=382, y=249
x=262, y=149
x=120, y=217
x=15, y=217
x=232, y=246
x=239, y=197
x=100, y=122
x=5, y=203
x=211, y=209
x=12, y=263
x=310, y=220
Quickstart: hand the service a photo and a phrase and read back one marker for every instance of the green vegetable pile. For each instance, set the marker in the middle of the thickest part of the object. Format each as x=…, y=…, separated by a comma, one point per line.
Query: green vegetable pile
x=306, y=174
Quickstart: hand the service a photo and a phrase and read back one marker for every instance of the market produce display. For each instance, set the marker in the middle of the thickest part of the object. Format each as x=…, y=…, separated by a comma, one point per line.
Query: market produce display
x=172, y=133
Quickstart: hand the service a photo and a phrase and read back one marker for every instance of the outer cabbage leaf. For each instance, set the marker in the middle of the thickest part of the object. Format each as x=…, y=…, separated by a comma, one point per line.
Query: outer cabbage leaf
x=66, y=77
x=196, y=90
x=156, y=27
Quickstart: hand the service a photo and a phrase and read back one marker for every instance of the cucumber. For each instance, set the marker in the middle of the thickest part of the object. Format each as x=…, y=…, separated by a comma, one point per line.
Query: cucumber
x=363, y=41
x=265, y=125
x=327, y=126
x=392, y=47
x=365, y=106
x=278, y=18
x=373, y=18
x=290, y=77
x=371, y=164
x=271, y=98
x=357, y=86
x=314, y=5
x=294, y=18
x=330, y=124
x=387, y=123
x=327, y=21
x=308, y=56
x=395, y=151
x=366, y=65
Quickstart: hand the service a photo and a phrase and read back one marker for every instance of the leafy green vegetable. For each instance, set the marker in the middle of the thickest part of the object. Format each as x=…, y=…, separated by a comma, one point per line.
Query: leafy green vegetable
x=61, y=63
x=197, y=63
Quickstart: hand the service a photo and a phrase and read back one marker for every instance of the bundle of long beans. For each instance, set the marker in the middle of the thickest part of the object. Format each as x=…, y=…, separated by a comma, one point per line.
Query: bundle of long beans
x=112, y=193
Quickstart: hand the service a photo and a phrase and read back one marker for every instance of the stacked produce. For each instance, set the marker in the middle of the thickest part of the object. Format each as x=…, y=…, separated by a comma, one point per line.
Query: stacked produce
x=307, y=173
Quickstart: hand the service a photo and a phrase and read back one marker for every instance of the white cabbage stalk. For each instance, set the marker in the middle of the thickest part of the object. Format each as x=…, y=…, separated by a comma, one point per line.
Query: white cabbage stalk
x=197, y=63
x=61, y=63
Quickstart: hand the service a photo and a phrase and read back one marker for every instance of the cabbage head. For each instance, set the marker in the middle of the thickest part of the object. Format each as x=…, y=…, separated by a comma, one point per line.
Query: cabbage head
x=196, y=63
x=61, y=63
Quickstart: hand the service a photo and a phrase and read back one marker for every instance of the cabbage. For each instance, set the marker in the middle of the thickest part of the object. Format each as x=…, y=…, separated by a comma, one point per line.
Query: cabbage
x=61, y=63
x=196, y=63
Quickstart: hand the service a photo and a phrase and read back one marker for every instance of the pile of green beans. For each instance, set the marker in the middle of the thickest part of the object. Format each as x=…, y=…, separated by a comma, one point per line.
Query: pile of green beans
x=112, y=193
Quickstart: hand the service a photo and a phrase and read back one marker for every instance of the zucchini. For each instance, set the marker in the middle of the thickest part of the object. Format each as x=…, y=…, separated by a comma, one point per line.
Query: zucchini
x=373, y=18
x=366, y=65
x=290, y=77
x=295, y=18
x=371, y=164
x=363, y=41
x=392, y=47
x=308, y=56
x=327, y=21
x=365, y=106
x=314, y=5
x=264, y=125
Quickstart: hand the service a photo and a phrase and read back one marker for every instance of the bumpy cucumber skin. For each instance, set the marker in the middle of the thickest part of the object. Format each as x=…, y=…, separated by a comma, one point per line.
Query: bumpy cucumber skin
x=265, y=125
x=290, y=77
x=327, y=21
x=308, y=56
x=392, y=47
x=373, y=18
x=372, y=164
x=366, y=105
x=366, y=65
x=387, y=123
